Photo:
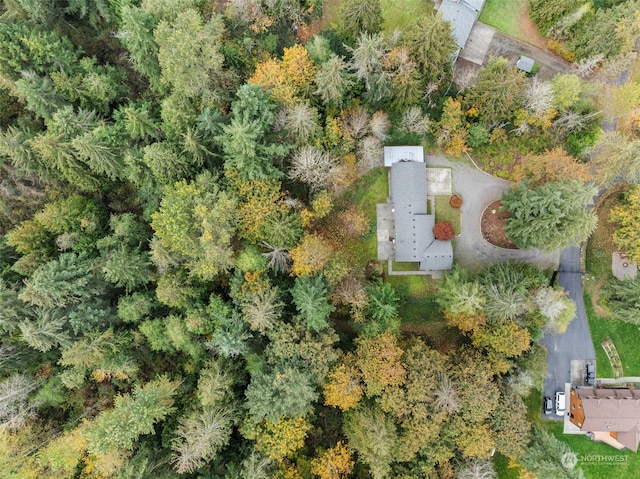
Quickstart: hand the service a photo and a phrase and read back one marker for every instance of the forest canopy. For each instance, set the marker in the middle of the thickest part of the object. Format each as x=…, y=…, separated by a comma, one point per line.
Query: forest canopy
x=185, y=286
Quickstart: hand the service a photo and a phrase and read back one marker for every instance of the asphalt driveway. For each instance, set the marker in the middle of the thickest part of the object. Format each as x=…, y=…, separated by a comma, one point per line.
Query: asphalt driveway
x=478, y=190
x=575, y=342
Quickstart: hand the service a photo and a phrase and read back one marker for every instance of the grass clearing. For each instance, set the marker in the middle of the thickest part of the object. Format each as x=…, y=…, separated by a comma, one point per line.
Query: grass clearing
x=417, y=294
x=400, y=14
x=368, y=191
x=365, y=194
x=502, y=14
x=598, y=333
x=597, y=460
x=330, y=14
x=625, y=336
x=445, y=212
x=600, y=245
x=403, y=14
x=405, y=266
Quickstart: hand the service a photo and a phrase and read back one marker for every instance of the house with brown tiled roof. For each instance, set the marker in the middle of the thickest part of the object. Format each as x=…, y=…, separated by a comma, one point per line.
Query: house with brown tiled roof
x=610, y=415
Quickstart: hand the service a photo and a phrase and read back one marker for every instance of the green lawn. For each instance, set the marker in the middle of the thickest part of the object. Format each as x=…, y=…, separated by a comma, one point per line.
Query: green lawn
x=503, y=15
x=366, y=193
x=400, y=14
x=444, y=212
x=403, y=13
x=369, y=190
x=405, y=266
x=597, y=460
x=598, y=333
x=625, y=336
x=600, y=244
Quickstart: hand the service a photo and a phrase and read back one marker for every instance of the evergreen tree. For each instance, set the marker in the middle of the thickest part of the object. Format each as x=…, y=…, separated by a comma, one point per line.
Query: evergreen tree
x=333, y=81
x=357, y=16
x=128, y=269
x=310, y=297
x=188, y=52
x=549, y=217
x=65, y=281
x=39, y=94
x=46, y=331
x=283, y=392
x=498, y=92
x=94, y=11
x=246, y=141
x=373, y=434
x=382, y=309
x=132, y=416
x=136, y=34
x=431, y=43
x=195, y=224
x=623, y=299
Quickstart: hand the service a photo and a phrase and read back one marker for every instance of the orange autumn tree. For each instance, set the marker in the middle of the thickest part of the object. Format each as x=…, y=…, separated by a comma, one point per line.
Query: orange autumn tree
x=343, y=387
x=311, y=255
x=452, y=132
x=298, y=67
x=288, y=79
x=378, y=358
x=552, y=165
x=626, y=218
x=443, y=231
x=335, y=463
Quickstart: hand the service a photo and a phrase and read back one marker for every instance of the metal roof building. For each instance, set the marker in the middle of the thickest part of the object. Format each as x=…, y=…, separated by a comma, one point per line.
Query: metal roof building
x=393, y=154
x=525, y=64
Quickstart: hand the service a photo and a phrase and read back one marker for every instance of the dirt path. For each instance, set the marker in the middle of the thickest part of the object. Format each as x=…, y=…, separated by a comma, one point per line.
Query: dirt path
x=529, y=30
x=503, y=45
x=329, y=16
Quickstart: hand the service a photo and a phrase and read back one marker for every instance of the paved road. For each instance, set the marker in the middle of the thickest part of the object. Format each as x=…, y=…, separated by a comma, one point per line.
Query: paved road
x=478, y=190
x=575, y=342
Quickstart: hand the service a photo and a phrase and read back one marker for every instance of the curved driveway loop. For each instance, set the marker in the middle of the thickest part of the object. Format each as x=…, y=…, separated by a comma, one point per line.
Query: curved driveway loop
x=471, y=250
x=479, y=189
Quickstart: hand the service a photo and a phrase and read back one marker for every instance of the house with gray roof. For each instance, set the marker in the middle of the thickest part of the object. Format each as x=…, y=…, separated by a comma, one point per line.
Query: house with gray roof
x=462, y=14
x=413, y=225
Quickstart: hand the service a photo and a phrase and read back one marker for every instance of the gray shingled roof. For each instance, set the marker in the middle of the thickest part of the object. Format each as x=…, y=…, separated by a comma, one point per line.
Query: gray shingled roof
x=409, y=196
x=414, y=240
x=438, y=256
x=462, y=14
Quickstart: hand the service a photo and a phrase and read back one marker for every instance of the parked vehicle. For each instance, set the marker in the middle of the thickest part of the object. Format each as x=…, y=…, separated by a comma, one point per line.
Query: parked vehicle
x=547, y=405
x=560, y=403
x=591, y=373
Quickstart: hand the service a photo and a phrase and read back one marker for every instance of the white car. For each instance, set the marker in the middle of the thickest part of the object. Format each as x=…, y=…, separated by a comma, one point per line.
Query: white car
x=560, y=404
